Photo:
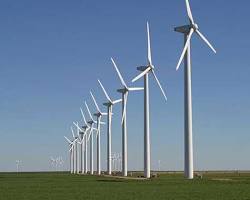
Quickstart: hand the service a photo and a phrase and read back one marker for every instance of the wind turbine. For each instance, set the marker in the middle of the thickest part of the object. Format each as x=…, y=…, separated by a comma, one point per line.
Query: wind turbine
x=82, y=134
x=124, y=91
x=91, y=122
x=18, y=163
x=98, y=115
x=71, y=154
x=74, y=151
x=146, y=70
x=79, y=151
x=159, y=165
x=52, y=162
x=109, y=105
x=188, y=31
x=61, y=162
x=86, y=141
x=80, y=142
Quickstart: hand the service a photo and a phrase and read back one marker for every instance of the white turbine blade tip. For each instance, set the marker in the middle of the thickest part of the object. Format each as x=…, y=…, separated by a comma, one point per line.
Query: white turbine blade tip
x=149, y=45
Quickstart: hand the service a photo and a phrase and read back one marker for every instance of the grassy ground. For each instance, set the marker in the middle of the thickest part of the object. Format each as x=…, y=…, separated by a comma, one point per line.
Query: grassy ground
x=63, y=186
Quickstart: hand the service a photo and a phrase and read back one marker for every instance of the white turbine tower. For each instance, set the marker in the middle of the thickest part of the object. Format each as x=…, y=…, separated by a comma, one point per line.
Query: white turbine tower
x=98, y=115
x=124, y=91
x=145, y=73
x=109, y=105
x=188, y=31
x=91, y=122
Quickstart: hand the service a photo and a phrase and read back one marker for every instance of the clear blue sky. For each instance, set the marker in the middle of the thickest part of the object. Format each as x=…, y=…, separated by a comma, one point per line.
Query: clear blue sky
x=52, y=52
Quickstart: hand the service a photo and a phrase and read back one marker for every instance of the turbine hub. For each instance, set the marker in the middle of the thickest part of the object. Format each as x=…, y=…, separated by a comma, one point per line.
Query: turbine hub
x=195, y=26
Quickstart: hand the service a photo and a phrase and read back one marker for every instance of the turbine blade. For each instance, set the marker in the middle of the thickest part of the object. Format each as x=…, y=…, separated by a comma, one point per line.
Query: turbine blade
x=149, y=46
x=185, y=48
x=72, y=131
x=84, y=119
x=74, y=142
x=190, y=16
x=97, y=107
x=89, y=111
x=124, y=106
x=78, y=130
x=67, y=140
x=91, y=130
x=117, y=101
x=135, y=88
x=87, y=130
x=141, y=74
x=119, y=74
x=76, y=124
x=105, y=92
x=205, y=40
x=159, y=84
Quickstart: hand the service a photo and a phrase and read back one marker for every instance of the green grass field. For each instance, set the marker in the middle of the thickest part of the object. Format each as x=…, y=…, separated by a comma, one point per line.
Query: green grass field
x=60, y=186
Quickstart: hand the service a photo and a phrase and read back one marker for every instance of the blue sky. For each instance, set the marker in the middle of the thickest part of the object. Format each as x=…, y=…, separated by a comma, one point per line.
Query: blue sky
x=52, y=53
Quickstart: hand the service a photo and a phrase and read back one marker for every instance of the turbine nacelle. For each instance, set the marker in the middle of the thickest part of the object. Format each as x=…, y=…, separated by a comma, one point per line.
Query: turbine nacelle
x=143, y=68
x=107, y=104
x=97, y=114
x=90, y=122
x=123, y=90
x=183, y=29
x=186, y=28
x=83, y=130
